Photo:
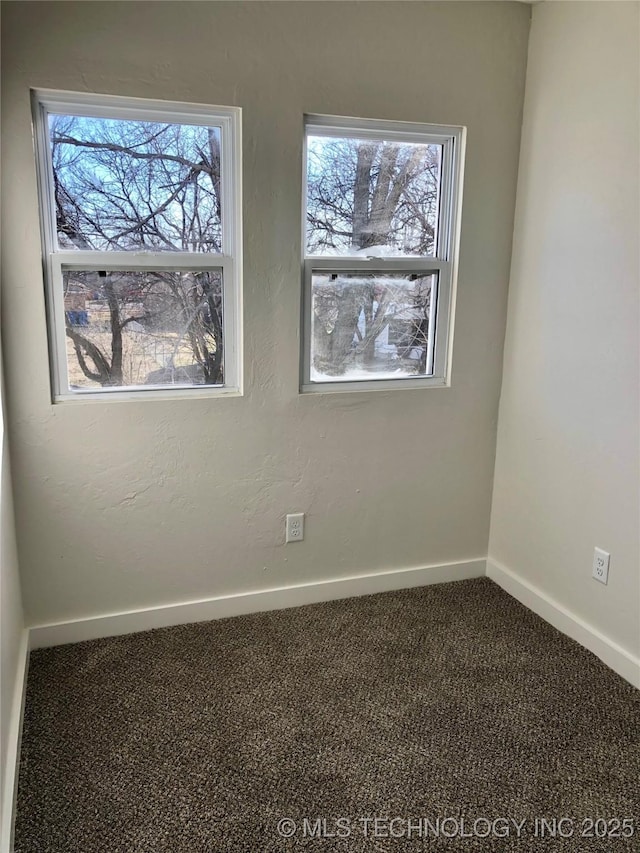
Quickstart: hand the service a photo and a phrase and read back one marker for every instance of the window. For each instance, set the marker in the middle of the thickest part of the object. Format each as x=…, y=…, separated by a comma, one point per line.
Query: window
x=140, y=205
x=380, y=226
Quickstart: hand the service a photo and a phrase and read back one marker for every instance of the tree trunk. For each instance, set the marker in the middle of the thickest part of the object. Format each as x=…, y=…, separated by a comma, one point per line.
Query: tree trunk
x=115, y=377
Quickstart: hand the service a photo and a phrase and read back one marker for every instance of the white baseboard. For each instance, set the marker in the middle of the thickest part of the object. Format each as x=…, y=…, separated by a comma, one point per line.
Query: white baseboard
x=12, y=756
x=613, y=655
x=204, y=610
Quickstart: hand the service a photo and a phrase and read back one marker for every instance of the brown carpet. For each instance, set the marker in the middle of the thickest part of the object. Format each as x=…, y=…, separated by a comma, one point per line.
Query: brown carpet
x=450, y=704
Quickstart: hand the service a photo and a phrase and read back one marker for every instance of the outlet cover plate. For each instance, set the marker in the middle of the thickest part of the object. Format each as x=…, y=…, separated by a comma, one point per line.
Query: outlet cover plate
x=601, y=565
x=294, y=531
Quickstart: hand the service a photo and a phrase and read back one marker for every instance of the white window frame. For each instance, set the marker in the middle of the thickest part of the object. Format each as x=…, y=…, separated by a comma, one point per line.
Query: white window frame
x=56, y=261
x=444, y=261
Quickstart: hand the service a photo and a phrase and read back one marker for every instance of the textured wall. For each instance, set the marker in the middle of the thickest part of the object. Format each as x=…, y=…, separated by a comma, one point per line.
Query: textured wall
x=132, y=504
x=567, y=463
x=11, y=643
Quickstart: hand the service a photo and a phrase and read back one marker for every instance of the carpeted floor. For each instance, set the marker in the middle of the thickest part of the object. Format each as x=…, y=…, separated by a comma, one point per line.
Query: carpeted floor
x=451, y=709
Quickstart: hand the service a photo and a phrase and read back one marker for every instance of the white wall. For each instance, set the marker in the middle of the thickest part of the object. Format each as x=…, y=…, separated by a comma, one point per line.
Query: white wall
x=567, y=468
x=12, y=646
x=121, y=505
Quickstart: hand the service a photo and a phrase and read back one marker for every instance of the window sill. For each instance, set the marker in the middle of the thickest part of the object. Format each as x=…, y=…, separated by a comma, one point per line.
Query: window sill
x=374, y=385
x=140, y=396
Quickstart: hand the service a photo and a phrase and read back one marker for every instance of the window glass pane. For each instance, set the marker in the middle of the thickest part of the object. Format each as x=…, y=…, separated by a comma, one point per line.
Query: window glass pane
x=370, y=326
x=135, y=185
x=143, y=328
x=369, y=197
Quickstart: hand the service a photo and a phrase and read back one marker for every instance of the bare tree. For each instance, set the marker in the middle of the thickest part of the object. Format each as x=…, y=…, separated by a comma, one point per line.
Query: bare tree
x=375, y=199
x=125, y=185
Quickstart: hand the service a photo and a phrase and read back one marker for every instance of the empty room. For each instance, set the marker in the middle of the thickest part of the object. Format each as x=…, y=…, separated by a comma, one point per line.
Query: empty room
x=320, y=495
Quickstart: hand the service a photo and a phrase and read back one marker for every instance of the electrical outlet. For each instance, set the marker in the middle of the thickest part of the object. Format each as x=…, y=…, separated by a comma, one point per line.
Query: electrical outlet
x=601, y=565
x=295, y=527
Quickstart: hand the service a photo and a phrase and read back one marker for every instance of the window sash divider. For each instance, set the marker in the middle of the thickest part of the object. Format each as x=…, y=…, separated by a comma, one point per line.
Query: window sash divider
x=126, y=261
x=381, y=266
